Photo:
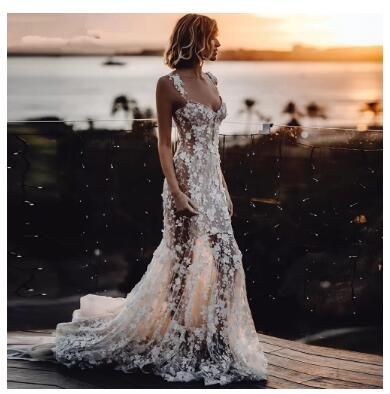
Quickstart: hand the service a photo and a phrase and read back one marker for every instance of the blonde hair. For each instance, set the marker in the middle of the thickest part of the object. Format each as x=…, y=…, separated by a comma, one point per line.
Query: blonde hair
x=190, y=41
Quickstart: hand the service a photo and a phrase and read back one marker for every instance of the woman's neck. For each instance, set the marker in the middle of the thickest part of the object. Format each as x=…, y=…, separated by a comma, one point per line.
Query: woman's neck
x=194, y=72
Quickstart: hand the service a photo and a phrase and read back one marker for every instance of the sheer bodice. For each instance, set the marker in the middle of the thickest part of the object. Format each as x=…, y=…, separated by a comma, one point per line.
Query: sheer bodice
x=188, y=318
x=197, y=166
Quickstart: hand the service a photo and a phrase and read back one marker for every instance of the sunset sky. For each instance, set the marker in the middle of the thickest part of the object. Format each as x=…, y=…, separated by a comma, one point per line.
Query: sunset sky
x=136, y=31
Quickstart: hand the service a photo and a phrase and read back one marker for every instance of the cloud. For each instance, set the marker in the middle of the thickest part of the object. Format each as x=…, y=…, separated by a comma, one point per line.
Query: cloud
x=82, y=40
x=42, y=41
x=75, y=42
x=112, y=37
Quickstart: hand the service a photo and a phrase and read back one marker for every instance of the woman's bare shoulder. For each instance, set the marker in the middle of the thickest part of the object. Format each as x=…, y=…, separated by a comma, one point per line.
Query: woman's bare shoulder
x=164, y=79
x=163, y=82
x=164, y=87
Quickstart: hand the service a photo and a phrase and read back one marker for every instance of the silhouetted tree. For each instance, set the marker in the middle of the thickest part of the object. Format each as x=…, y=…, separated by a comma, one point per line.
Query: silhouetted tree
x=314, y=111
x=251, y=110
x=123, y=103
x=375, y=108
x=91, y=125
x=292, y=110
x=144, y=128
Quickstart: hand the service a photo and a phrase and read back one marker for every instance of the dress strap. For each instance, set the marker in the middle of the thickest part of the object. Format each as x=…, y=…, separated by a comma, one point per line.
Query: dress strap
x=212, y=77
x=178, y=83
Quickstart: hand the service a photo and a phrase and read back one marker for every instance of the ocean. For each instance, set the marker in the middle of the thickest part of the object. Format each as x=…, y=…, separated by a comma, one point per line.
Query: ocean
x=77, y=88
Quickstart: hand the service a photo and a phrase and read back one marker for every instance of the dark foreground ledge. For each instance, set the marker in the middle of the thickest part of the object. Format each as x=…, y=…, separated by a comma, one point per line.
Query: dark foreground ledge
x=291, y=365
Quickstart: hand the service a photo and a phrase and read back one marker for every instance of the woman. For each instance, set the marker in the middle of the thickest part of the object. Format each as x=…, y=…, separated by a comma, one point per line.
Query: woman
x=188, y=317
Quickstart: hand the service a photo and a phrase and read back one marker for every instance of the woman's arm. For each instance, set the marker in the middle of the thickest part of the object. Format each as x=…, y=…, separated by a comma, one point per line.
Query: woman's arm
x=164, y=120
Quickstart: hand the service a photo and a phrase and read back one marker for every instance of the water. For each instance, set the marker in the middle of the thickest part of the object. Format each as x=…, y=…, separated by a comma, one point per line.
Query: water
x=81, y=87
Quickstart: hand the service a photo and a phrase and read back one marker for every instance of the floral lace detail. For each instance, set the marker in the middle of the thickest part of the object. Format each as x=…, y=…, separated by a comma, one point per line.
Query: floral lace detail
x=178, y=84
x=188, y=318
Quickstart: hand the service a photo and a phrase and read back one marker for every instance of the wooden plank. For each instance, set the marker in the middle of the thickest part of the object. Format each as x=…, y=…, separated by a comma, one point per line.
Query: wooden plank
x=288, y=374
x=322, y=350
x=326, y=383
x=323, y=371
x=277, y=379
x=29, y=376
x=275, y=382
x=37, y=331
x=19, y=385
x=46, y=332
x=39, y=365
x=346, y=365
x=97, y=378
x=291, y=365
x=270, y=348
x=23, y=337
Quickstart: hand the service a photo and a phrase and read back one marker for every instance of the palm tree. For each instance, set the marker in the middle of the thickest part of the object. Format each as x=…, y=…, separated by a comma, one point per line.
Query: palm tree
x=292, y=110
x=91, y=124
x=374, y=107
x=251, y=110
x=123, y=103
x=144, y=127
x=313, y=111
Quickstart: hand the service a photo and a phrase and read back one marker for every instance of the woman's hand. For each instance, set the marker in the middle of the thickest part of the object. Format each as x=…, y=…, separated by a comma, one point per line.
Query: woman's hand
x=184, y=205
x=229, y=202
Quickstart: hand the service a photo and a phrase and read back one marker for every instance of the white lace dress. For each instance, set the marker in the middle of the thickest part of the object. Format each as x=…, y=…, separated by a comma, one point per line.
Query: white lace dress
x=188, y=317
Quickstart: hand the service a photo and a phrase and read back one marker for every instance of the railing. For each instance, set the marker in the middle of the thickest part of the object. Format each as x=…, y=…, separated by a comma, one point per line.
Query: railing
x=85, y=215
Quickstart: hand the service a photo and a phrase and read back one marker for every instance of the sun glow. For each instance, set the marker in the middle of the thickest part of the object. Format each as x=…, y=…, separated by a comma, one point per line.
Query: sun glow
x=331, y=30
x=359, y=30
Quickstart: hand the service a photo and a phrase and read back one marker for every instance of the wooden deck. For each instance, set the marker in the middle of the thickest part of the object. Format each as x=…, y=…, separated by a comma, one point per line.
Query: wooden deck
x=291, y=365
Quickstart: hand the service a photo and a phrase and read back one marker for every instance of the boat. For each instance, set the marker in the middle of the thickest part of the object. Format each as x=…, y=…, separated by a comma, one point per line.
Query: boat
x=111, y=62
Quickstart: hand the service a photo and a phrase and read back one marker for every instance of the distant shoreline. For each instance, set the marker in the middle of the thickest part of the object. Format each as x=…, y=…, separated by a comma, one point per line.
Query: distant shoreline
x=298, y=53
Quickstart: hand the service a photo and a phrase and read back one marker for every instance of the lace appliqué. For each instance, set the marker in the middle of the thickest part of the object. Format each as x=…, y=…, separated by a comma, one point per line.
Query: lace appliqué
x=178, y=84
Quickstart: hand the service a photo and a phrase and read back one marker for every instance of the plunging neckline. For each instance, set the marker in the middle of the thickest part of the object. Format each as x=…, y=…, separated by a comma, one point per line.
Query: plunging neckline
x=204, y=105
x=193, y=101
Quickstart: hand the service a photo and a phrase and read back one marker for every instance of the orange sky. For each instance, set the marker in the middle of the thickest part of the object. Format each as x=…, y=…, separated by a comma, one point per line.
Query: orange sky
x=133, y=31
